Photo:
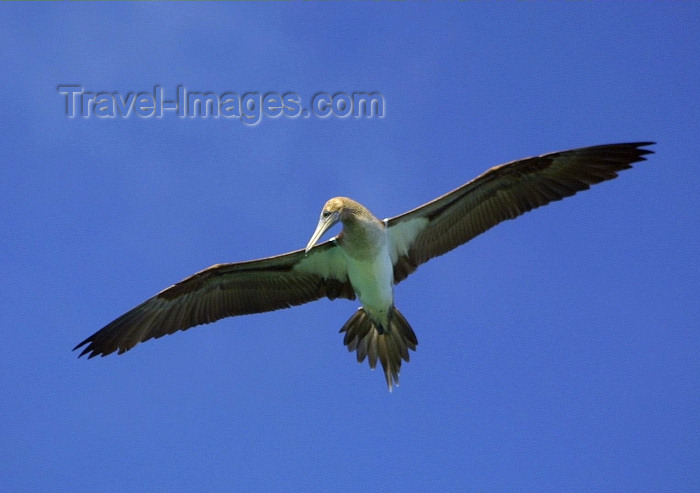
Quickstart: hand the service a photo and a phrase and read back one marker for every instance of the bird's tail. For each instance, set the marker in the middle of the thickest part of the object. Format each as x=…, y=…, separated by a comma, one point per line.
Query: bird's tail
x=362, y=334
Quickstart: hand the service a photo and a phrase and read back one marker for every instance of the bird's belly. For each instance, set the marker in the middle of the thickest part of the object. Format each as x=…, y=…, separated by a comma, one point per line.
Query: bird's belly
x=373, y=282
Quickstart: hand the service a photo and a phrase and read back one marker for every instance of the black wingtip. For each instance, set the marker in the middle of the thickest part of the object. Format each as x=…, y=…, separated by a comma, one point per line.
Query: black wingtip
x=640, y=145
x=641, y=151
x=648, y=151
x=632, y=152
x=88, y=349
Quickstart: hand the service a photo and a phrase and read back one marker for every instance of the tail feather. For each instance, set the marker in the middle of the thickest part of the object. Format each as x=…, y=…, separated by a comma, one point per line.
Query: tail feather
x=390, y=346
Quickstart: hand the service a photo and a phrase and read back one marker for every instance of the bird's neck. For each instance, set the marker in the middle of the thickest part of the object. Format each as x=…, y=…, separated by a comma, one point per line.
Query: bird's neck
x=363, y=236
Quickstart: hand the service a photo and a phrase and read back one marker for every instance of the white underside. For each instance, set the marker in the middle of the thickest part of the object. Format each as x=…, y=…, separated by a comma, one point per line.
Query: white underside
x=372, y=277
x=373, y=282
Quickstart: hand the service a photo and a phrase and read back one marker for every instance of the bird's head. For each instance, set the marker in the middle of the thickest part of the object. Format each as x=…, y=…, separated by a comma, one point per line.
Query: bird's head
x=333, y=212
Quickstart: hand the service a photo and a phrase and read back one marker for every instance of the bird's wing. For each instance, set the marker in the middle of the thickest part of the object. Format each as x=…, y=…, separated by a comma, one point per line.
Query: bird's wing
x=503, y=192
x=225, y=290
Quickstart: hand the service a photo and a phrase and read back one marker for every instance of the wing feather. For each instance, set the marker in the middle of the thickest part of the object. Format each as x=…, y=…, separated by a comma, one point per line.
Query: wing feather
x=503, y=192
x=226, y=290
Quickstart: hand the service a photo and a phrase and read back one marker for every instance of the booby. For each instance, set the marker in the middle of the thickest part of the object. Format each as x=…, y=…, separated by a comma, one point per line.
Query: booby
x=367, y=259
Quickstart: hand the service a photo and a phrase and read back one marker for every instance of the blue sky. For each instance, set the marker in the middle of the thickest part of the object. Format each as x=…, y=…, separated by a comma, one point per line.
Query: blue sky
x=558, y=352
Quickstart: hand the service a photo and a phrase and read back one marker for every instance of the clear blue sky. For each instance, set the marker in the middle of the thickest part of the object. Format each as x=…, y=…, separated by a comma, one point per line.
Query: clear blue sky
x=557, y=352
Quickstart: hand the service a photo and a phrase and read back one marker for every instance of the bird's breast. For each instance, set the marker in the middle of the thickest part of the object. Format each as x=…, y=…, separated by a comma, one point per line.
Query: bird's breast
x=372, y=278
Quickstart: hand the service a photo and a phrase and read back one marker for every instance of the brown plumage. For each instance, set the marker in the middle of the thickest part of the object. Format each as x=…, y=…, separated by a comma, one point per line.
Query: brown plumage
x=368, y=258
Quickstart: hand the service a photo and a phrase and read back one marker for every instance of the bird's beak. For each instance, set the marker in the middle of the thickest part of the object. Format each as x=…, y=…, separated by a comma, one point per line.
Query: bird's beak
x=324, y=224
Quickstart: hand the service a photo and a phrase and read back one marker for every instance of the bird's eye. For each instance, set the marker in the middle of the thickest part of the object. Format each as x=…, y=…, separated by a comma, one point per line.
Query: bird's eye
x=326, y=213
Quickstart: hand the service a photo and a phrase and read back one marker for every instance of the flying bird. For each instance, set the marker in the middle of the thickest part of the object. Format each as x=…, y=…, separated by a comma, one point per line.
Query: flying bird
x=367, y=259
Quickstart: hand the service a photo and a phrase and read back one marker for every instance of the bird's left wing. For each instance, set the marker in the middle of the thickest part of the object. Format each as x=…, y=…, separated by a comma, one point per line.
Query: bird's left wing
x=501, y=193
x=226, y=290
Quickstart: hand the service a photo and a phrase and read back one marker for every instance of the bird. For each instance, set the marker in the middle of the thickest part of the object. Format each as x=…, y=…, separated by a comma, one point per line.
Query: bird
x=367, y=258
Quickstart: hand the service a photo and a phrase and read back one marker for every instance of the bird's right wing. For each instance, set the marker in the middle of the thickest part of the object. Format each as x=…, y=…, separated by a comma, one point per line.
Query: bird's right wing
x=226, y=290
